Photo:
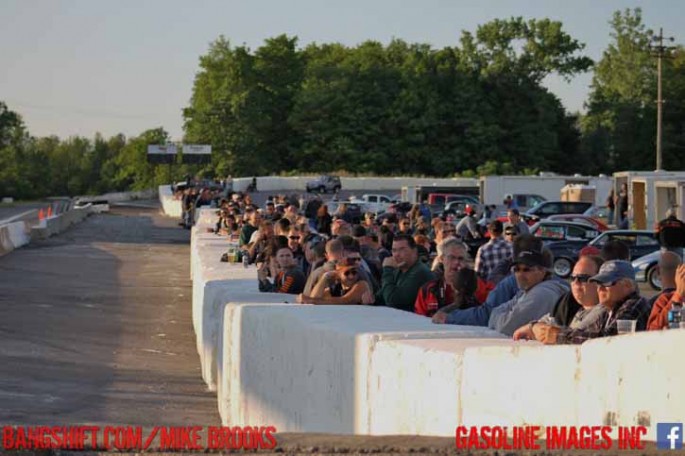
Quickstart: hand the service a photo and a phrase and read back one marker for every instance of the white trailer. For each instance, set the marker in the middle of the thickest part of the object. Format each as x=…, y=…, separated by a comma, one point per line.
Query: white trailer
x=643, y=208
x=494, y=188
x=670, y=195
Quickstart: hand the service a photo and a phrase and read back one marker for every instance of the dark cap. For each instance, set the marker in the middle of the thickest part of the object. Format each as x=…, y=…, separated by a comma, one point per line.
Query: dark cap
x=530, y=258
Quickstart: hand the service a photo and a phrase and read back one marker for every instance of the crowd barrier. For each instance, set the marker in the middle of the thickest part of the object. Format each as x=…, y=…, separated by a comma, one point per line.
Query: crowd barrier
x=299, y=183
x=13, y=235
x=380, y=371
x=58, y=223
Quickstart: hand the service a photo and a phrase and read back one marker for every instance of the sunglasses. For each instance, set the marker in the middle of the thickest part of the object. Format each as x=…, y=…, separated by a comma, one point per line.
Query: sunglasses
x=350, y=273
x=295, y=238
x=509, y=233
x=608, y=284
x=582, y=278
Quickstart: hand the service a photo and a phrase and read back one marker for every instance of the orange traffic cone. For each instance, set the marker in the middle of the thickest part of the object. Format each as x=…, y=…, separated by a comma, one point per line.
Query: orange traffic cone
x=41, y=215
x=49, y=211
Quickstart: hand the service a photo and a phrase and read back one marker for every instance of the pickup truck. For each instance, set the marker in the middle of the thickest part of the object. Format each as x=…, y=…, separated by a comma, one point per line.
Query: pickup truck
x=372, y=202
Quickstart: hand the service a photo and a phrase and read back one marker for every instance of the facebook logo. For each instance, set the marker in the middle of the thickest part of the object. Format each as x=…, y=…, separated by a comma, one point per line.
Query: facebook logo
x=669, y=436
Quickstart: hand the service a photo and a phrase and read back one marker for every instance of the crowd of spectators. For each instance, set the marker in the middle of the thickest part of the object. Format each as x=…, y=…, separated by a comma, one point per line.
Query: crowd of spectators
x=421, y=265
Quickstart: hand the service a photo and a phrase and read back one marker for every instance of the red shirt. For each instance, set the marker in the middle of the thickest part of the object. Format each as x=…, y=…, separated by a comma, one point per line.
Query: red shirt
x=437, y=294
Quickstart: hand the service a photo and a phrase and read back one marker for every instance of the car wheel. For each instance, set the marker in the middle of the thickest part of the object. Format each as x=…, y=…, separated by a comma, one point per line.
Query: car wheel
x=653, y=277
x=562, y=267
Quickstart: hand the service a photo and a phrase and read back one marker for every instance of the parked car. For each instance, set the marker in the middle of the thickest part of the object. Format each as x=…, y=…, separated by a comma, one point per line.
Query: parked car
x=375, y=203
x=600, y=213
x=647, y=269
x=323, y=184
x=580, y=218
x=640, y=243
x=549, y=208
x=557, y=230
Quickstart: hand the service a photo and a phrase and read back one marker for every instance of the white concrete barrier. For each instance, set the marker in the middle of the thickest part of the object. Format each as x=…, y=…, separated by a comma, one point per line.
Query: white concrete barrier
x=12, y=236
x=306, y=368
x=415, y=385
x=170, y=205
x=630, y=380
x=56, y=224
x=523, y=384
x=299, y=183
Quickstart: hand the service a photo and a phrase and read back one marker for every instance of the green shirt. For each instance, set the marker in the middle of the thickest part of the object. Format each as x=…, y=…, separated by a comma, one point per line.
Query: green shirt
x=399, y=289
x=246, y=234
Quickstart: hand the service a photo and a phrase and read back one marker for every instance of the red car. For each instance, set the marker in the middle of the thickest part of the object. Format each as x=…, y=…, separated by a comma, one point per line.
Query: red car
x=580, y=218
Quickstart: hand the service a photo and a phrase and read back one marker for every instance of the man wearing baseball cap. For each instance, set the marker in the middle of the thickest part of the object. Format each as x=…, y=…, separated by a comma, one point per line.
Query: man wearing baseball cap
x=618, y=292
x=538, y=290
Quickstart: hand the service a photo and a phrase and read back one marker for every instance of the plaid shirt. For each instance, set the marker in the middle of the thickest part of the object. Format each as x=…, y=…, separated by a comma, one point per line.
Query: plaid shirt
x=491, y=254
x=632, y=308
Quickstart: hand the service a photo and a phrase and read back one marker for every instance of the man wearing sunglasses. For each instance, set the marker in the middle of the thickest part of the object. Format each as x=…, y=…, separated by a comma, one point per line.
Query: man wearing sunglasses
x=578, y=309
x=618, y=292
x=538, y=292
x=342, y=286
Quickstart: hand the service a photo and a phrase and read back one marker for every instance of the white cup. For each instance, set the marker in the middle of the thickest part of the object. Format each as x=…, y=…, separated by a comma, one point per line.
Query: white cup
x=626, y=326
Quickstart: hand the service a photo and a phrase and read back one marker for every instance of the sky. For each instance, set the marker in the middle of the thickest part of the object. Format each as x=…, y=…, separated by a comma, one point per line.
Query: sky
x=78, y=67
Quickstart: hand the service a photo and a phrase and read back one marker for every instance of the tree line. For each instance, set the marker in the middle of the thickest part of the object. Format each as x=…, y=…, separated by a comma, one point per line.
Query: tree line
x=476, y=108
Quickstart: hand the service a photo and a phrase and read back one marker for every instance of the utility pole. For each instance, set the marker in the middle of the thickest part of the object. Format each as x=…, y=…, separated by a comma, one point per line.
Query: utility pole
x=660, y=51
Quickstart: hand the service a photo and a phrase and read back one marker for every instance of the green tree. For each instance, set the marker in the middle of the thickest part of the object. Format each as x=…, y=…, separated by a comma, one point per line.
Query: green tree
x=619, y=129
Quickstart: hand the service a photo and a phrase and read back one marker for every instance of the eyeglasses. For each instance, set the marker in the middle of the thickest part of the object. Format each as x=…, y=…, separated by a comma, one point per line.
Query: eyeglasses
x=294, y=238
x=350, y=273
x=608, y=284
x=582, y=278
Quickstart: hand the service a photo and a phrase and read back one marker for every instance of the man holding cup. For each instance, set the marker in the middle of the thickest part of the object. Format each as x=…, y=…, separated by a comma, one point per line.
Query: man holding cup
x=618, y=292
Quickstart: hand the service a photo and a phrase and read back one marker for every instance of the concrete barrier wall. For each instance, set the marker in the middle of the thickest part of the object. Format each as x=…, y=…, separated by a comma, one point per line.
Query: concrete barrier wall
x=56, y=224
x=307, y=368
x=415, y=385
x=12, y=236
x=633, y=380
x=170, y=205
x=299, y=183
x=520, y=384
x=380, y=371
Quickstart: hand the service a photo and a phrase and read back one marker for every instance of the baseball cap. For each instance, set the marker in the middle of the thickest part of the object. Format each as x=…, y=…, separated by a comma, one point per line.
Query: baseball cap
x=614, y=270
x=530, y=258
